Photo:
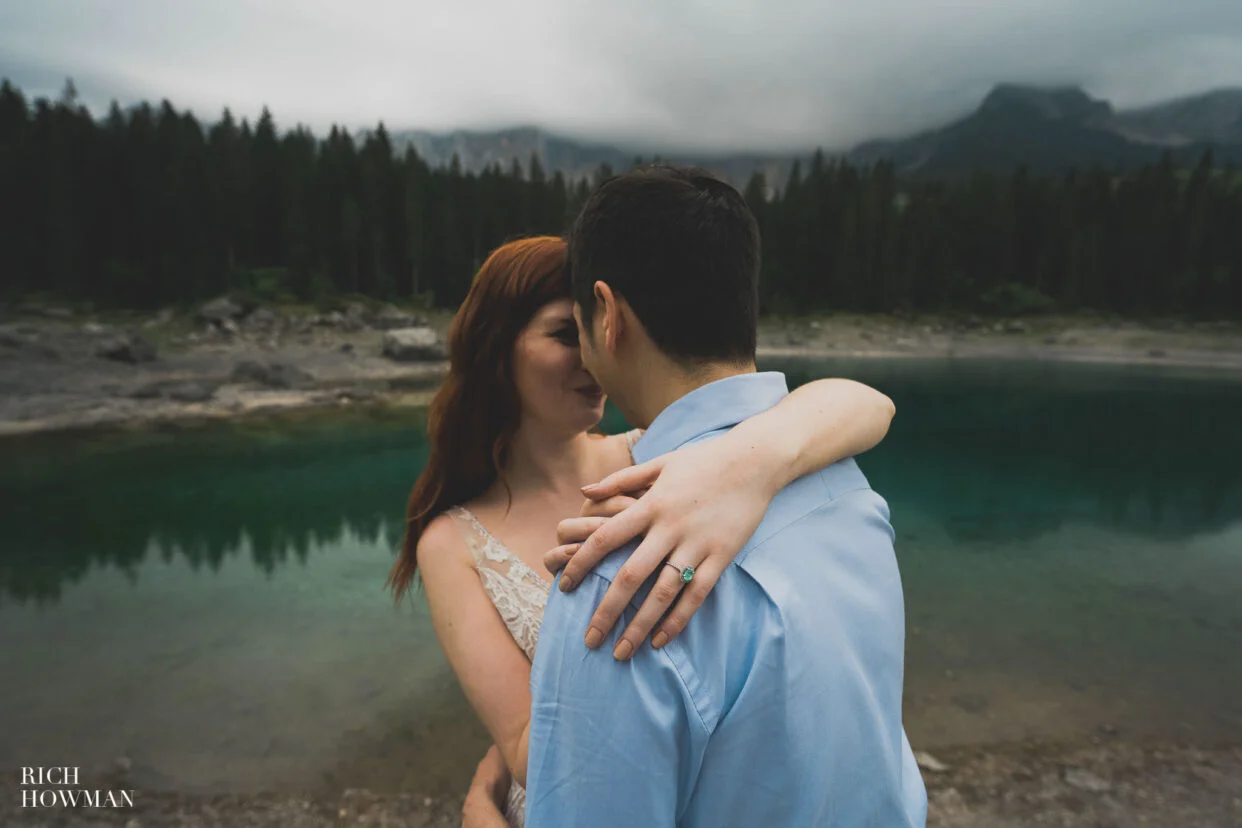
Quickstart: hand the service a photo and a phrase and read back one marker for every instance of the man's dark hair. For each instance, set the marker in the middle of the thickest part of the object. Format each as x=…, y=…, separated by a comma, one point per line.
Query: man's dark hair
x=682, y=248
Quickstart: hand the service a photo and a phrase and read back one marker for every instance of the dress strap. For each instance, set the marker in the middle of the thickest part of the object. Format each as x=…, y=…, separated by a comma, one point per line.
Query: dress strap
x=631, y=437
x=476, y=535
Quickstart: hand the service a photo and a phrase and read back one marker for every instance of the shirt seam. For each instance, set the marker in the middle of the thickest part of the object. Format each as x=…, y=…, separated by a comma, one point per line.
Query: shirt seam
x=664, y=652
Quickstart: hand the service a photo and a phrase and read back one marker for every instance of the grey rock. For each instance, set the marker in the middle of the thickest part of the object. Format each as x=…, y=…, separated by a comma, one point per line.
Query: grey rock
x=58, y=313
x=191, y=392
x=1085, y=780
x=162, y=318
x=150, y=391
x=973, y=323
x=220, y=310
x=94, y=329
x=358, y=314
x=332, y=320
x=1016, y=326
x=272, y=375
x=347, y=348
x=413, y=345
x=391, y=318
x=132, y=349
x=228, y=327
x=929, y=763
x=261, y=319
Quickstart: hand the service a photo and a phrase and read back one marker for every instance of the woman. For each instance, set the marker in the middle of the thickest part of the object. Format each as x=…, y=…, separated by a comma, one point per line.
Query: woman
x=513, y=443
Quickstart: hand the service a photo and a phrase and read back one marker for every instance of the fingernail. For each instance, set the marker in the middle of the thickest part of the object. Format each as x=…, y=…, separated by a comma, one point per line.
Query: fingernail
x=594, y=638
x=623, y=651
x=567, y=583
x=659, y=639
x=587, y=490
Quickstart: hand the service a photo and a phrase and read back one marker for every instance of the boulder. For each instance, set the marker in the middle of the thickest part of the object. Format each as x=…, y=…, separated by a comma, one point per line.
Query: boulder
x=272, y=375
x=162, y=318
x=132, y=349
x=1016, y=326
x=10, y=338
x=332, y=320
x=393, y=319
x=261, y=319
x=219, y=311
x=187, y=392
x=357, y=315
x=191, y=392
x=413, y=345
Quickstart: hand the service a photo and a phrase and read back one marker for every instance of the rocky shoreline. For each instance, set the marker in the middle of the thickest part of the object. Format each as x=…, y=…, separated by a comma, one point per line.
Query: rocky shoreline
x=59, y=371
x=1075, y=786
x=63, y=370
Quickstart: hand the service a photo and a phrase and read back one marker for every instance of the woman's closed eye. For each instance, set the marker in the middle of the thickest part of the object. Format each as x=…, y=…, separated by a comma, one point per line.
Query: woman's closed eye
x=566, y=336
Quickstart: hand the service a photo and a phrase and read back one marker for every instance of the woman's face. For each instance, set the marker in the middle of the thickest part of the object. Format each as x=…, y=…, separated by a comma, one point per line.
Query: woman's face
x=553, y=387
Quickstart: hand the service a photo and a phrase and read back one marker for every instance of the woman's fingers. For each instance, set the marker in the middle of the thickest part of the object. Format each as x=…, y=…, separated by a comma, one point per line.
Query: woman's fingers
x=577, y=530
x=644, y=560
x=629, y=479
x=688, y=604
x=608, y=534
x=556, y=559
x=608, y=507
x=669, y=585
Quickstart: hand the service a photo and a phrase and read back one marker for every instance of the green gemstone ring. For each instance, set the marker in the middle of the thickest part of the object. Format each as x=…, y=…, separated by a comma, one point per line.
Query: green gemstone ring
x=687, y=572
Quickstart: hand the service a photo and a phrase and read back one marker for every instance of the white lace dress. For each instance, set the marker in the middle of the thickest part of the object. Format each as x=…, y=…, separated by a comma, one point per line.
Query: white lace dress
x=519, y=594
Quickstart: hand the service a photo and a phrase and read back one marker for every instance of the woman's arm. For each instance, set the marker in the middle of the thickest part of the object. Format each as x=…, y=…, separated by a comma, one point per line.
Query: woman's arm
x=706, y=500
x=492, y=669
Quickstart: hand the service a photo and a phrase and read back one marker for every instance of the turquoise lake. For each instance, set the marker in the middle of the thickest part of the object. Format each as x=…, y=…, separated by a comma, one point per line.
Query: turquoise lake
x=209, y=602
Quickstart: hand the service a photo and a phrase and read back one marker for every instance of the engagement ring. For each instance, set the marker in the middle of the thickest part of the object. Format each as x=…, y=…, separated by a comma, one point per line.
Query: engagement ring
x=687, y=572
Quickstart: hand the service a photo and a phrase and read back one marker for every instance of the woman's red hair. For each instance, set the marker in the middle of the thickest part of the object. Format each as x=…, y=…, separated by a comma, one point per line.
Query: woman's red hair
x=474, y=415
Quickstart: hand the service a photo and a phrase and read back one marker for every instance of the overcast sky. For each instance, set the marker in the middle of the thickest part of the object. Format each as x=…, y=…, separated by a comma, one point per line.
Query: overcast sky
x=718, y=74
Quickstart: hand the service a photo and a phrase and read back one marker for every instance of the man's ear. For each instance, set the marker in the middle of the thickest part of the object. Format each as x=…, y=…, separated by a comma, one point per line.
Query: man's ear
x=607, y=305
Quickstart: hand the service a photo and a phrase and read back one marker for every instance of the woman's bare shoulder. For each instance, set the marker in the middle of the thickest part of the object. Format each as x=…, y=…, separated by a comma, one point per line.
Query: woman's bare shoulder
x=441, y=541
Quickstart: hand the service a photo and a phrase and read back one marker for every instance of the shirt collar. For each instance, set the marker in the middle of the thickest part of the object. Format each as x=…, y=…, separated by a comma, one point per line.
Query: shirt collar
x=720, y=404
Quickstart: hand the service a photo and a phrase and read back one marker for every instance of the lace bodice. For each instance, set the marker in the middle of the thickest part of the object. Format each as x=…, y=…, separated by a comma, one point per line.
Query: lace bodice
x=519, y=594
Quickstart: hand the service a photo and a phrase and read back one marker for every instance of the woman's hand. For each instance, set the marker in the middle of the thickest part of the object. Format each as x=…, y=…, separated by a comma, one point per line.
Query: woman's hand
x=488, y=794
x=572, y=532
x=706, y=500
x=699, y=508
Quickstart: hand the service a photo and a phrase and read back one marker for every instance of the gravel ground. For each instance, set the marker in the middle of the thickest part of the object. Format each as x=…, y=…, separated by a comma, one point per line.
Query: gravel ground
x=1114, y=785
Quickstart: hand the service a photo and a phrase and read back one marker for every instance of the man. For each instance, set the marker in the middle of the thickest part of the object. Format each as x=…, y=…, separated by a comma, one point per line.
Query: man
x=780, y=705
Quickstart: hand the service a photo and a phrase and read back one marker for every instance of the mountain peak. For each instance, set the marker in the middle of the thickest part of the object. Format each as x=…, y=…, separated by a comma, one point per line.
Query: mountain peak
x=1068, y=103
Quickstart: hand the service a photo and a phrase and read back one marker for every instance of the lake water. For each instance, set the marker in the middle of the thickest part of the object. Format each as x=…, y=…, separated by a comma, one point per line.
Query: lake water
x=209, y=602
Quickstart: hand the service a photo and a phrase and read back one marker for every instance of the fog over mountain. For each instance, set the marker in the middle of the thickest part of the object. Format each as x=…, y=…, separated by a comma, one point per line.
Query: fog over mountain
x=733, y=76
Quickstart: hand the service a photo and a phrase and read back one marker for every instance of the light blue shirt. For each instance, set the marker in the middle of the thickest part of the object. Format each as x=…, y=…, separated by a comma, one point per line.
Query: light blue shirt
x=779, y=705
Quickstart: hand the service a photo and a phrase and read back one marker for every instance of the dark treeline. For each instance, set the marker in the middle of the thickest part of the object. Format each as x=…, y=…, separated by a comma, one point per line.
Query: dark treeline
x=148, y=207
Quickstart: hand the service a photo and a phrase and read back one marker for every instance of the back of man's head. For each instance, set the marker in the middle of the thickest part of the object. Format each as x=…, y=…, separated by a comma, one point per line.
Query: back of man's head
x=682, y=248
